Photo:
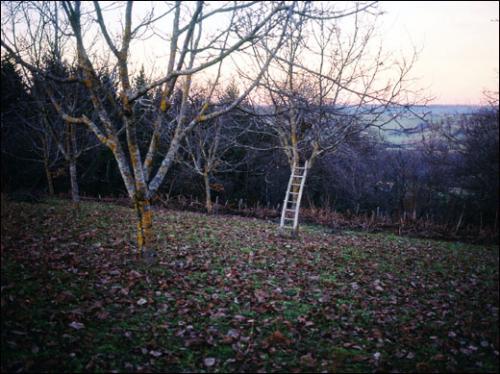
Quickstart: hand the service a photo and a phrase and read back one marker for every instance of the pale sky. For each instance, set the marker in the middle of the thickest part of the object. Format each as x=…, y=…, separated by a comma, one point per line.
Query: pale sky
x=458, y=43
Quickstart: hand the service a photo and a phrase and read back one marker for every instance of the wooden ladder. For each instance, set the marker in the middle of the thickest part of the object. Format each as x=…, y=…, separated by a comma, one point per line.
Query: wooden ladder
x=291, y=205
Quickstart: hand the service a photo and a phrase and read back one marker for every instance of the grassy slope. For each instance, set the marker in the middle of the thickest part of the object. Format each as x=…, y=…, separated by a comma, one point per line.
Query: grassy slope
x=229, y=294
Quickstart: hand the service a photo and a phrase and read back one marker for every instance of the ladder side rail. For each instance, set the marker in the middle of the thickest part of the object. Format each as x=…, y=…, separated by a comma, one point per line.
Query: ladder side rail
x=299, y=198
x=283, y=210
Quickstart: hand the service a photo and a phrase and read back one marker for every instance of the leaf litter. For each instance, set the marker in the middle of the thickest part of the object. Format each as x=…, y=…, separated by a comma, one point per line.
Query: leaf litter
x=230, y=294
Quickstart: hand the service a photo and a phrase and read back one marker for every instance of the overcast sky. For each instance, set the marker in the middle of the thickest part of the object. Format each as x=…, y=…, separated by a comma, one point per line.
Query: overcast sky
x=458, y=42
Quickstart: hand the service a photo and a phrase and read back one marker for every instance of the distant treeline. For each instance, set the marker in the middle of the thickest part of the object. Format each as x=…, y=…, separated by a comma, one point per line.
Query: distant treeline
x=450, y=177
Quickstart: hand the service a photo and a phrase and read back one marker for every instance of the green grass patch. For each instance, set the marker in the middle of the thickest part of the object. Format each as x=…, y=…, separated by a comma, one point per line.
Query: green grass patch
x=75, y=298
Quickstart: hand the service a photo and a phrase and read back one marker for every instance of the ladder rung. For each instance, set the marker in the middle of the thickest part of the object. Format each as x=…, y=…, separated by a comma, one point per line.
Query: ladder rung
x=289, y=219
x=294, y=193
x=290, y=210
x=295, y=184
x=297, y=176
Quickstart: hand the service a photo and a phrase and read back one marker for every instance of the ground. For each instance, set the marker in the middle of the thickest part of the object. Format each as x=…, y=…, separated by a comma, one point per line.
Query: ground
x=230, y=294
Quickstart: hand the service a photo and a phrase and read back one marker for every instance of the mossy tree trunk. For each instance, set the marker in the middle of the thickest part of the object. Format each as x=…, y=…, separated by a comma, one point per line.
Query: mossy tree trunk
x=75, y=191
x=145, y=228
x=208, y=194
x=48, y=174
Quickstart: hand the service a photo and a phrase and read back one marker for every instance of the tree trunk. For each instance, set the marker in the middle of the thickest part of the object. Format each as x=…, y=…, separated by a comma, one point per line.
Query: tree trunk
x=208, y=194
x=495, y=225
x=75, y=195
x=50, y=183
x=145, y=229
x=459, y=223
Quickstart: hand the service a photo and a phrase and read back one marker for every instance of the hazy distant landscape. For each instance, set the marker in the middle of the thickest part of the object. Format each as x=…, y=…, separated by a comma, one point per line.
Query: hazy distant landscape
x=409, y=128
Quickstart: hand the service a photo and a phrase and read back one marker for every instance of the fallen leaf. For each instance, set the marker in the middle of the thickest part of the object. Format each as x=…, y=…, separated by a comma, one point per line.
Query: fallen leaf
x=103, y=315
x=209, y=361
x=260, y=295
x=77, y=325
x=277, y=338
x=307, y=360
x=232, y=333
x=155, y=353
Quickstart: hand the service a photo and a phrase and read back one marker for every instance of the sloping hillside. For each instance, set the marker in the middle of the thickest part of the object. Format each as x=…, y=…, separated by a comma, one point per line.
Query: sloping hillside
x=229, y=294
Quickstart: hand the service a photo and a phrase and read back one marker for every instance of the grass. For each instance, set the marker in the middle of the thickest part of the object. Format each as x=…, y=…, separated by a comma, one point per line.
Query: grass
x=230, y=294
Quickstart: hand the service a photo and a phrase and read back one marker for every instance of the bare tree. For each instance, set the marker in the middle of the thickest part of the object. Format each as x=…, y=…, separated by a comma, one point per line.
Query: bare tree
x=209, y=148
x=50, y=138
x=192, y=51
x=466, y=147
x=42, y=147
x=330, y=83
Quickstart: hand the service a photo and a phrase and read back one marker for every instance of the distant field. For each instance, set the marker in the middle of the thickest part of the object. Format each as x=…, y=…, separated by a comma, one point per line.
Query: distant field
x=229, y=294
x=393, y=132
